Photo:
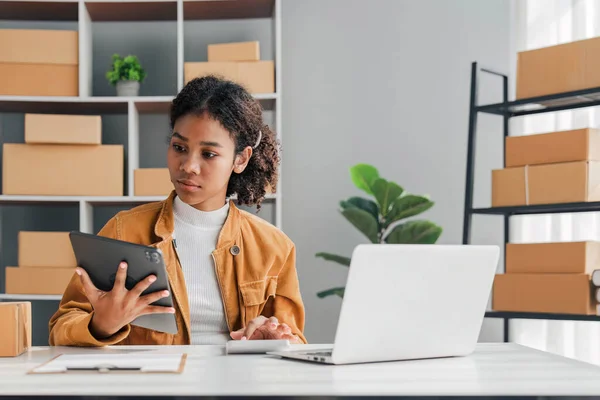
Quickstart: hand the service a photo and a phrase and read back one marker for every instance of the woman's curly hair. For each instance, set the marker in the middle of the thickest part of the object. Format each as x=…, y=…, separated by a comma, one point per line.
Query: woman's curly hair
x=241, y=115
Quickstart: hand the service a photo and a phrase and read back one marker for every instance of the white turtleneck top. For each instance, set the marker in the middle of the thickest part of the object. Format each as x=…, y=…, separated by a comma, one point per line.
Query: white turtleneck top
x=196, y=234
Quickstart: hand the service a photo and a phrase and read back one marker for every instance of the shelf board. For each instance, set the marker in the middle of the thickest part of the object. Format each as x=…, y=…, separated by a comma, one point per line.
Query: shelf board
x=99, y=200
x=544, y=104
x=95, y=200
x=229, y=9
x=65, y=10
x=131, y=10
x=46, y=297
x=61, y=105
x=540, y=209
x=94, y=105
x=266, y=96
x=546, y=316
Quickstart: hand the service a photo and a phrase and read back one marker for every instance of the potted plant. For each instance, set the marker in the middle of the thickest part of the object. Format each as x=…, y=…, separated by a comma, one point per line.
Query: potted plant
x=383, y=220
x=126, y=74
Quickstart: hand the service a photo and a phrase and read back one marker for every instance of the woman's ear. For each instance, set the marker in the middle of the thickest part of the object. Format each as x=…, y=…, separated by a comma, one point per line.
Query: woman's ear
x=241, y=160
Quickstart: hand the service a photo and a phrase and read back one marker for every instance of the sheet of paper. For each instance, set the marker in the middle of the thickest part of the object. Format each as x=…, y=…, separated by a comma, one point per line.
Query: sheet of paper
x=135, y=362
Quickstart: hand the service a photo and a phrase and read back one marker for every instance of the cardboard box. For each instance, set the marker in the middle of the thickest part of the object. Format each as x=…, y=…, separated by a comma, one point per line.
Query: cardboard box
x=15, y=335
x=554, y=147
x=509, y=187
x=67, y=170
x=553, y=258
x=255, y=76
x=227, y=70
x=556, y=69
x=546, y=293
x=39, y=79
x=37, y=280
x=258, y=76
x=63, y=129
x=152, y=182
x=39, y=46
x=46, y=249
x=546, y=184
x=240, y=51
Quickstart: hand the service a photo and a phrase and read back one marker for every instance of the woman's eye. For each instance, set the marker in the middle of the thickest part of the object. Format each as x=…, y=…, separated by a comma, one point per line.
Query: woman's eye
x=209, y=155
x=178, y=148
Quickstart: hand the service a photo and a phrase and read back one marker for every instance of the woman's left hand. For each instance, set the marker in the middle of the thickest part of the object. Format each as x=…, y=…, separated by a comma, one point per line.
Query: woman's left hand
x=263, y=328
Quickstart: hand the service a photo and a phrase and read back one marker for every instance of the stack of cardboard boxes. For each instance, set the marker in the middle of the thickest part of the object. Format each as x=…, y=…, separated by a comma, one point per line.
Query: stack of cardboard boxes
x=62, y=155
x=548, y=278
x=39, y=62
x=557, y=167
x=239, y=62
x=46, y=264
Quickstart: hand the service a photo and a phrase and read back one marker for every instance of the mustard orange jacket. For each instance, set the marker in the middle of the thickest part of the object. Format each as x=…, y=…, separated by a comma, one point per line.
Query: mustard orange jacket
x=260, y=279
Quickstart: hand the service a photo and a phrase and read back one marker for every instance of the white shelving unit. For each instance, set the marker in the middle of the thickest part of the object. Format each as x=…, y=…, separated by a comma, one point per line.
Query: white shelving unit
x=86, y=13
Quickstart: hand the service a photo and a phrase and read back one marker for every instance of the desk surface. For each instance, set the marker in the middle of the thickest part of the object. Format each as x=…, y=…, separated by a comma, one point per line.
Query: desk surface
x=493, y=370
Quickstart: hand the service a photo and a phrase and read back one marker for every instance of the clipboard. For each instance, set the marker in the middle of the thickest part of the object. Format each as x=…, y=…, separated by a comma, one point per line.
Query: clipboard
x=155, y=363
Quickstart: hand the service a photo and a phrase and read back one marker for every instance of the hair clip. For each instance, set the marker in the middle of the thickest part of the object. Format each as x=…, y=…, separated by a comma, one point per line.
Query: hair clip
x=259, y=139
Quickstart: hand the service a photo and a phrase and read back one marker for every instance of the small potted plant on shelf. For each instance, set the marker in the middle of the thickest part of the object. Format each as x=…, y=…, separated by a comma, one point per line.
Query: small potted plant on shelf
x=126, y=74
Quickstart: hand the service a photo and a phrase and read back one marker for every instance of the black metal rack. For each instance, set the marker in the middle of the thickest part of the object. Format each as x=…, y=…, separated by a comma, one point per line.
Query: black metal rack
x=508, y=109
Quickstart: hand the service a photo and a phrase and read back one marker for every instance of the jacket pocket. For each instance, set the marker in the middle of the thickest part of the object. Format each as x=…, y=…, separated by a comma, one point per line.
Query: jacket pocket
x=255, y=295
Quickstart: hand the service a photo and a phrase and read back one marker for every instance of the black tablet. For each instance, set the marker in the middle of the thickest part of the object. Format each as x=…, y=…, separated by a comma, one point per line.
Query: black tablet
x=100, y=258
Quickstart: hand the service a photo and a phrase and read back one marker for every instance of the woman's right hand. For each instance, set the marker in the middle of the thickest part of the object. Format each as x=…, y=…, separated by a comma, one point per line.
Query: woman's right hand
x=117, y=308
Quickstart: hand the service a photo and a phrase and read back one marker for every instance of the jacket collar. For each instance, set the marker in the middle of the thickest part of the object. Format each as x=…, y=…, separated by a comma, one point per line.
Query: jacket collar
x=165, y=224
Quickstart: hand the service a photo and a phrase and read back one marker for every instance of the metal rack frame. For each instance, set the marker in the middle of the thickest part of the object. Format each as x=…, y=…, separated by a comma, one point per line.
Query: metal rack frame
x=508, y=109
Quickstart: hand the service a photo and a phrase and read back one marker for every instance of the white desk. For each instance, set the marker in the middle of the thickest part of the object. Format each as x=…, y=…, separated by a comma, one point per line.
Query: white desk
x=493, y=370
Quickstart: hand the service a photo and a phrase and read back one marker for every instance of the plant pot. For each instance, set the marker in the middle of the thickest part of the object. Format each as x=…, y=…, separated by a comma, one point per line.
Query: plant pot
x=128, y=88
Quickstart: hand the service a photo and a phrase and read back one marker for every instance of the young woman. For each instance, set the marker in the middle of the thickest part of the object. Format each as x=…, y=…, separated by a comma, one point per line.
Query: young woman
x=232, y=275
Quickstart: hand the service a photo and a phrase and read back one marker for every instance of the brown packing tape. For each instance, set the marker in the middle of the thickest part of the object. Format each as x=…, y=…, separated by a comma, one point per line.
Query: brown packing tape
x=22, y=322
x=27, y=324
x=526, y=172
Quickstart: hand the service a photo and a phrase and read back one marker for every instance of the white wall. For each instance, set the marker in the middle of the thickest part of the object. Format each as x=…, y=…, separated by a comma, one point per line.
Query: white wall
x=384, y=82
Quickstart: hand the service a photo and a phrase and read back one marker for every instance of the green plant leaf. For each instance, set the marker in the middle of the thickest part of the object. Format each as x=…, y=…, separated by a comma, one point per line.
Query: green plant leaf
x=335, y=258
x=363, y=176
x=414, y=232
x=363, y=221
x=364, y=204
x=130, y=59
x=407, y=206
x=338, y=291
x=386, y=192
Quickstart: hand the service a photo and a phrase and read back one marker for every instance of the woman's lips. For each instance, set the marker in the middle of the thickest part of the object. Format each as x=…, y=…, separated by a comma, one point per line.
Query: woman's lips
x=188, y=185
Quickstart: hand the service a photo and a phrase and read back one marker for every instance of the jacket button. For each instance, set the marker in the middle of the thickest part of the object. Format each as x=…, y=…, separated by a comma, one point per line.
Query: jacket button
x=234, y=250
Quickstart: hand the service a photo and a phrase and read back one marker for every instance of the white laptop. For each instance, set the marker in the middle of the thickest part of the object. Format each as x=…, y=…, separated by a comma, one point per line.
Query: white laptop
x=407, y=302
